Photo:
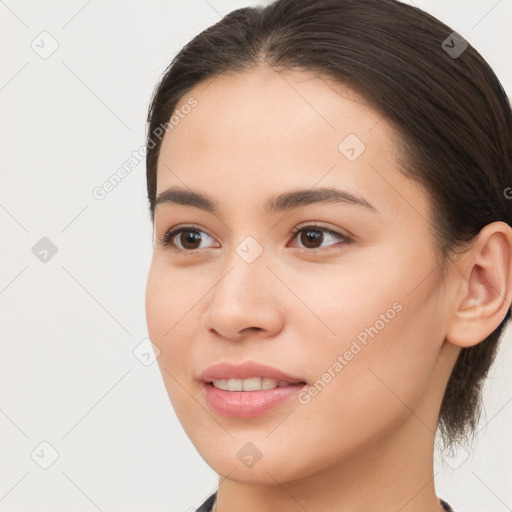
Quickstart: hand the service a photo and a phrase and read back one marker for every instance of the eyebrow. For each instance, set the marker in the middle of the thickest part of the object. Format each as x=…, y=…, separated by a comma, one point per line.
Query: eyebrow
x=281, y=203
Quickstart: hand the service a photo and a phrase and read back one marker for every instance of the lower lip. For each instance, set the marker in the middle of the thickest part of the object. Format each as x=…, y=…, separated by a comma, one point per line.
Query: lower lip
x=248, y=403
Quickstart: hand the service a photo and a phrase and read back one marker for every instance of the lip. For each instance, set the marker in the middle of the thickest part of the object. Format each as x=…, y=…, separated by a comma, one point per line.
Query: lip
x=244, y=404
x=247, y=403
x=246, y=370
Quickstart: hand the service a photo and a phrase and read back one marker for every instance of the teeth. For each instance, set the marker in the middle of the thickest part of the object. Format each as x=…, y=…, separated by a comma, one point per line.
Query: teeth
x=267, y=383
x=252, y=384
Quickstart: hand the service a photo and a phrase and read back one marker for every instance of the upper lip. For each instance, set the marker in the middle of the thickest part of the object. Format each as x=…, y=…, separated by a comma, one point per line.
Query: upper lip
x=245, y=370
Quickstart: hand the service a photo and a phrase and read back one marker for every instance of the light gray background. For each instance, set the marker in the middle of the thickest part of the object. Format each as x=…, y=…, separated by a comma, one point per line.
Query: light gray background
x=69, y=376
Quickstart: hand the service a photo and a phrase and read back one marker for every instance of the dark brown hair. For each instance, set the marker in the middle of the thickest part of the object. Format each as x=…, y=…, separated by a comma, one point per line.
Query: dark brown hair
x=444, y=101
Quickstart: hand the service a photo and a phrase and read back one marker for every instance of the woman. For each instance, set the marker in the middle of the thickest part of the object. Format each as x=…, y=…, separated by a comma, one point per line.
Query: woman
x=331, y=271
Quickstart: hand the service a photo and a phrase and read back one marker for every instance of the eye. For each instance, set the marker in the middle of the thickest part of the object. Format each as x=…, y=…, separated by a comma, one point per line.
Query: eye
x=189, y=238
x=312, y=236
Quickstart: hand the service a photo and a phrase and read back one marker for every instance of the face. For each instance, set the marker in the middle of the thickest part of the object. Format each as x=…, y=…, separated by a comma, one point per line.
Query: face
x=340, y=292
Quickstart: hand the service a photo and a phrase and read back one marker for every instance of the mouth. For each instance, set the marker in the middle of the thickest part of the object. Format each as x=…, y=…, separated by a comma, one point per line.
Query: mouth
x=245, y=398
x=248, y=389
x=253, y=384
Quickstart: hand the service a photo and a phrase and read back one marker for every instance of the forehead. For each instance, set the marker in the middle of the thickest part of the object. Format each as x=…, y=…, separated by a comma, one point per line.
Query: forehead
x=279, y=130
x=263, y=106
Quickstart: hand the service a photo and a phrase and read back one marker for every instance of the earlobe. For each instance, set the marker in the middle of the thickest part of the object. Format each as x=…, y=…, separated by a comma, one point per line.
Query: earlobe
x=484, y=278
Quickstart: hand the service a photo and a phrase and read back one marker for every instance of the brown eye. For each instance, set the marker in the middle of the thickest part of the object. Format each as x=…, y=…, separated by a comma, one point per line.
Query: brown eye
x=189, y=239
x=185, y=239
x=312, y=237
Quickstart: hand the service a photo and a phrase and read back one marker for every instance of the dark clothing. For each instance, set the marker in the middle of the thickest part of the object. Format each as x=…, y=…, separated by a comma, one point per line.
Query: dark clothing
x=207, y=505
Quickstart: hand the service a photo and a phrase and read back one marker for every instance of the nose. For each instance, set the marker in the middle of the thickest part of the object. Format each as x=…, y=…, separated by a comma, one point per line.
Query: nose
x=245, y=300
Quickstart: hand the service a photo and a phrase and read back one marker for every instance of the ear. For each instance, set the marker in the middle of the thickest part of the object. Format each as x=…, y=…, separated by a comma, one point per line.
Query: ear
x=483, y=278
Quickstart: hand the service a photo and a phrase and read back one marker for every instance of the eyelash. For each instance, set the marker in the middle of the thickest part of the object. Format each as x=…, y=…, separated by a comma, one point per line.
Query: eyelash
x=173, y=232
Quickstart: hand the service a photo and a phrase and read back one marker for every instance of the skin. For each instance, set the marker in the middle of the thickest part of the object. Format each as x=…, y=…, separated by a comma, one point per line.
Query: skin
x=366, y=439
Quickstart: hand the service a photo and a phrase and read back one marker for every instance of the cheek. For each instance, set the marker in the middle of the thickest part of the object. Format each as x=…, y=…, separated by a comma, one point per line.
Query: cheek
x=371, y=349
x=156, y=302
x=168, y=312
x=171, y=300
